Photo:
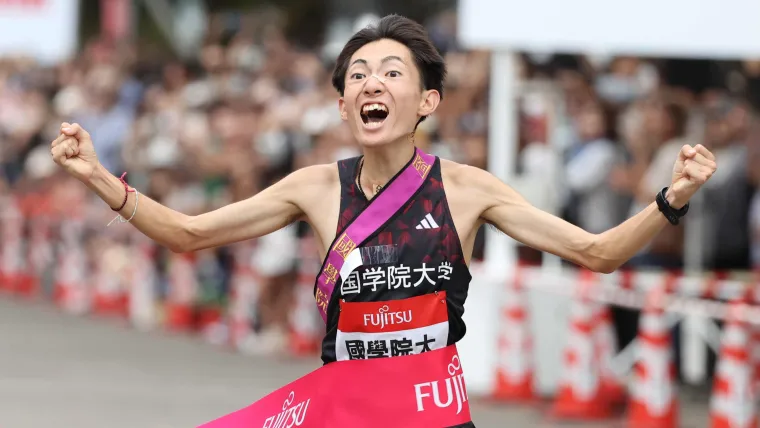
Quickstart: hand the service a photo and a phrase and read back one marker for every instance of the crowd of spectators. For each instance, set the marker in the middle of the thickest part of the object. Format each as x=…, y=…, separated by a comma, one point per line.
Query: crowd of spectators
x=622, y=125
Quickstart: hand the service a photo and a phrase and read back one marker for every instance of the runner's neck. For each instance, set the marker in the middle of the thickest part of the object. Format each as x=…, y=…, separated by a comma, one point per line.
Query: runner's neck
x=380, y=164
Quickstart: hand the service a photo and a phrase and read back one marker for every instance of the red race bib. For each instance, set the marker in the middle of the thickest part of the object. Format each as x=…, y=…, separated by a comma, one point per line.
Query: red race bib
x=393, y=328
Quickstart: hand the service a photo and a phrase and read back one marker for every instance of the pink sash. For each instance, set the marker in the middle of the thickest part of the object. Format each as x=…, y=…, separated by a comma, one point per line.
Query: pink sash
x=380, y=210
x=423, y=390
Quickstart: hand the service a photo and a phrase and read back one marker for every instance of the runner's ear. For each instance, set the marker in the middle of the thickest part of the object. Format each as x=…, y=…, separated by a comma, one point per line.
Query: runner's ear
x=342, y=109
x=429, y=102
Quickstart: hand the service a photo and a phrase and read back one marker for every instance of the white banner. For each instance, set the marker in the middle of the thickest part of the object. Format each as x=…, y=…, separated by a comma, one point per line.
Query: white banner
x=677, y=28
x=42, y=29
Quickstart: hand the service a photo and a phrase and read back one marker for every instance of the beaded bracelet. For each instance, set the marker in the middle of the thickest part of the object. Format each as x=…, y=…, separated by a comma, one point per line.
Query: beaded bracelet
x=126, y=193
x=134, y=211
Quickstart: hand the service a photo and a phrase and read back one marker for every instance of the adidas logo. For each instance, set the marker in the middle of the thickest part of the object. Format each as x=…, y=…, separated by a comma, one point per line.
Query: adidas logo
x=428, y=223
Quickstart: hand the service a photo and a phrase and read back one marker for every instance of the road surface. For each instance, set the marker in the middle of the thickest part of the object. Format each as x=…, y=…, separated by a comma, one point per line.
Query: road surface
x=57, y=370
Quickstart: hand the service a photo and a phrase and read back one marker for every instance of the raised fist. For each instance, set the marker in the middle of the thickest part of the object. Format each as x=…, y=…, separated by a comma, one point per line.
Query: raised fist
x=73, y=150
x=694, y=166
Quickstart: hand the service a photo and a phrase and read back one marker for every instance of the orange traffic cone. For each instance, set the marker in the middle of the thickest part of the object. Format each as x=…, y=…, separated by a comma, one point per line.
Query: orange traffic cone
x=305, y=331
x=12, y=259
x=109, y=295
x=754, y=298
x=244, y=290
x=142, y=282
x=183, y=289
x=732, y=404
x=580, y=393
x=40, y=252
x=653, y=399
x=755, y=356
x=71, y=290
x=514, y=376
x=606, y=344
x=27, y=280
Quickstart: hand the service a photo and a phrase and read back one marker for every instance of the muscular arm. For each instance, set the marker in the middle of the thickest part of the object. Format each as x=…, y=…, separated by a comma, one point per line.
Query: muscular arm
x=266, y=212
x=605, y=252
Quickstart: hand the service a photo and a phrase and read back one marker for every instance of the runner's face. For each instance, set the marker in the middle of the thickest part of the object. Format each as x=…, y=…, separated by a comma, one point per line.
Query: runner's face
x=383, y=98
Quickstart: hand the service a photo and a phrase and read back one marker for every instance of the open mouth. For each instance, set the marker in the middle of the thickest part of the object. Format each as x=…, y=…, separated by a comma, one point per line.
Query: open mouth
x=374, y=114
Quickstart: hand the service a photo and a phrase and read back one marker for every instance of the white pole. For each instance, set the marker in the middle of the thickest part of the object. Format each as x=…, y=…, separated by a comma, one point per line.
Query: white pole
x=500, y=250
x=479, y=351
x=693, y=328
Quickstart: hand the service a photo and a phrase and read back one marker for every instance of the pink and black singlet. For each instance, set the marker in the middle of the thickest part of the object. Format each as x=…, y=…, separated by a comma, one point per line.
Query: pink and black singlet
x=416, y=255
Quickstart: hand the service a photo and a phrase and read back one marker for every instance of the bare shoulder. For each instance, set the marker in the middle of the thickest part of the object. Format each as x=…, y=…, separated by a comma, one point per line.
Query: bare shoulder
x=476, y=186
x=452, y=171
x=465, y=188
x=316, y=191
x=467, y=200
x=473, y=179
x=303, y=184
x=316, y=175
x=311, y=186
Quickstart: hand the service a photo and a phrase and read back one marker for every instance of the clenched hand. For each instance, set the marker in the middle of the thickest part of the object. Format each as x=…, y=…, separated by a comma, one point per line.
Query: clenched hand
x=694, y=166
x=73, y=150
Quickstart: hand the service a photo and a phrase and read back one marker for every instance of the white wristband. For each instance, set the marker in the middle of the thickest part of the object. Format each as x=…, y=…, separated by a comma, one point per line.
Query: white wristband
x=134, y=211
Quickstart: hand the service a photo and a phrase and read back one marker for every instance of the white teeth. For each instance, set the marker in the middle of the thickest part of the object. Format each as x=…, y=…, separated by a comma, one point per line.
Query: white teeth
x=369, y=107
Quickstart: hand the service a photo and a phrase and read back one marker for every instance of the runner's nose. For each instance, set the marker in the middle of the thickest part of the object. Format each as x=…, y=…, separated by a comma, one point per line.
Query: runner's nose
x=374, y=85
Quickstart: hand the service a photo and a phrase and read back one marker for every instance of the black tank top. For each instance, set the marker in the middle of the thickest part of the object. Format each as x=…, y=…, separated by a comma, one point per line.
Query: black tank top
x=419, y=246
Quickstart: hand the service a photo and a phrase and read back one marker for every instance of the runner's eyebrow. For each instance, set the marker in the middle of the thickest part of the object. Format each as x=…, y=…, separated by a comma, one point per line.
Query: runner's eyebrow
x=392, y=58
x=383, y=61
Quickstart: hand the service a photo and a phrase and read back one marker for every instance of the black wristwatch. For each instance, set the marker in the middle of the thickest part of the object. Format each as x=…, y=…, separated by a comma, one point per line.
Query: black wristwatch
x=673, y=215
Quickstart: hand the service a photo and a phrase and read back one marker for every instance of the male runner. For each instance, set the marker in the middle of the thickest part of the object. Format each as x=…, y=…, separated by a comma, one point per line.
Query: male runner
x=395, y=226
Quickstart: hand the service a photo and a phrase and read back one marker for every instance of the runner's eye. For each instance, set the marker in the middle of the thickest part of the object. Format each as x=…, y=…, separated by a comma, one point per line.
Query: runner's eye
x=357, y=76
x=393, y=73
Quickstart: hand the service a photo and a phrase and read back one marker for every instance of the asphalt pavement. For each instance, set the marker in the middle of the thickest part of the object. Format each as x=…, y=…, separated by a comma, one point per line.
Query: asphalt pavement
x=58, y=370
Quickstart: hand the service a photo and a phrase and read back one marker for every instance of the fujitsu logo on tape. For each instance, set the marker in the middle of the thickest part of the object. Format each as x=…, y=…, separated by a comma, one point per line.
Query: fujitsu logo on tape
x=454, y=389
x=290, y=416
x=383, y=317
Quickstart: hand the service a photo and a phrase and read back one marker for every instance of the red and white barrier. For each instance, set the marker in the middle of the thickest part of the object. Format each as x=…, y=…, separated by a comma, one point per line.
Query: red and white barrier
x=686, y=297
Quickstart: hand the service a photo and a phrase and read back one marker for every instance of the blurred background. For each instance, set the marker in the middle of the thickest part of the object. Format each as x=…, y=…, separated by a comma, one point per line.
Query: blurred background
x=206, y=103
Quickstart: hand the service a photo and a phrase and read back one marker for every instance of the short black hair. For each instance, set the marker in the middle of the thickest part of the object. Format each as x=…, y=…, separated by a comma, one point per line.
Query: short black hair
x=409, y=33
